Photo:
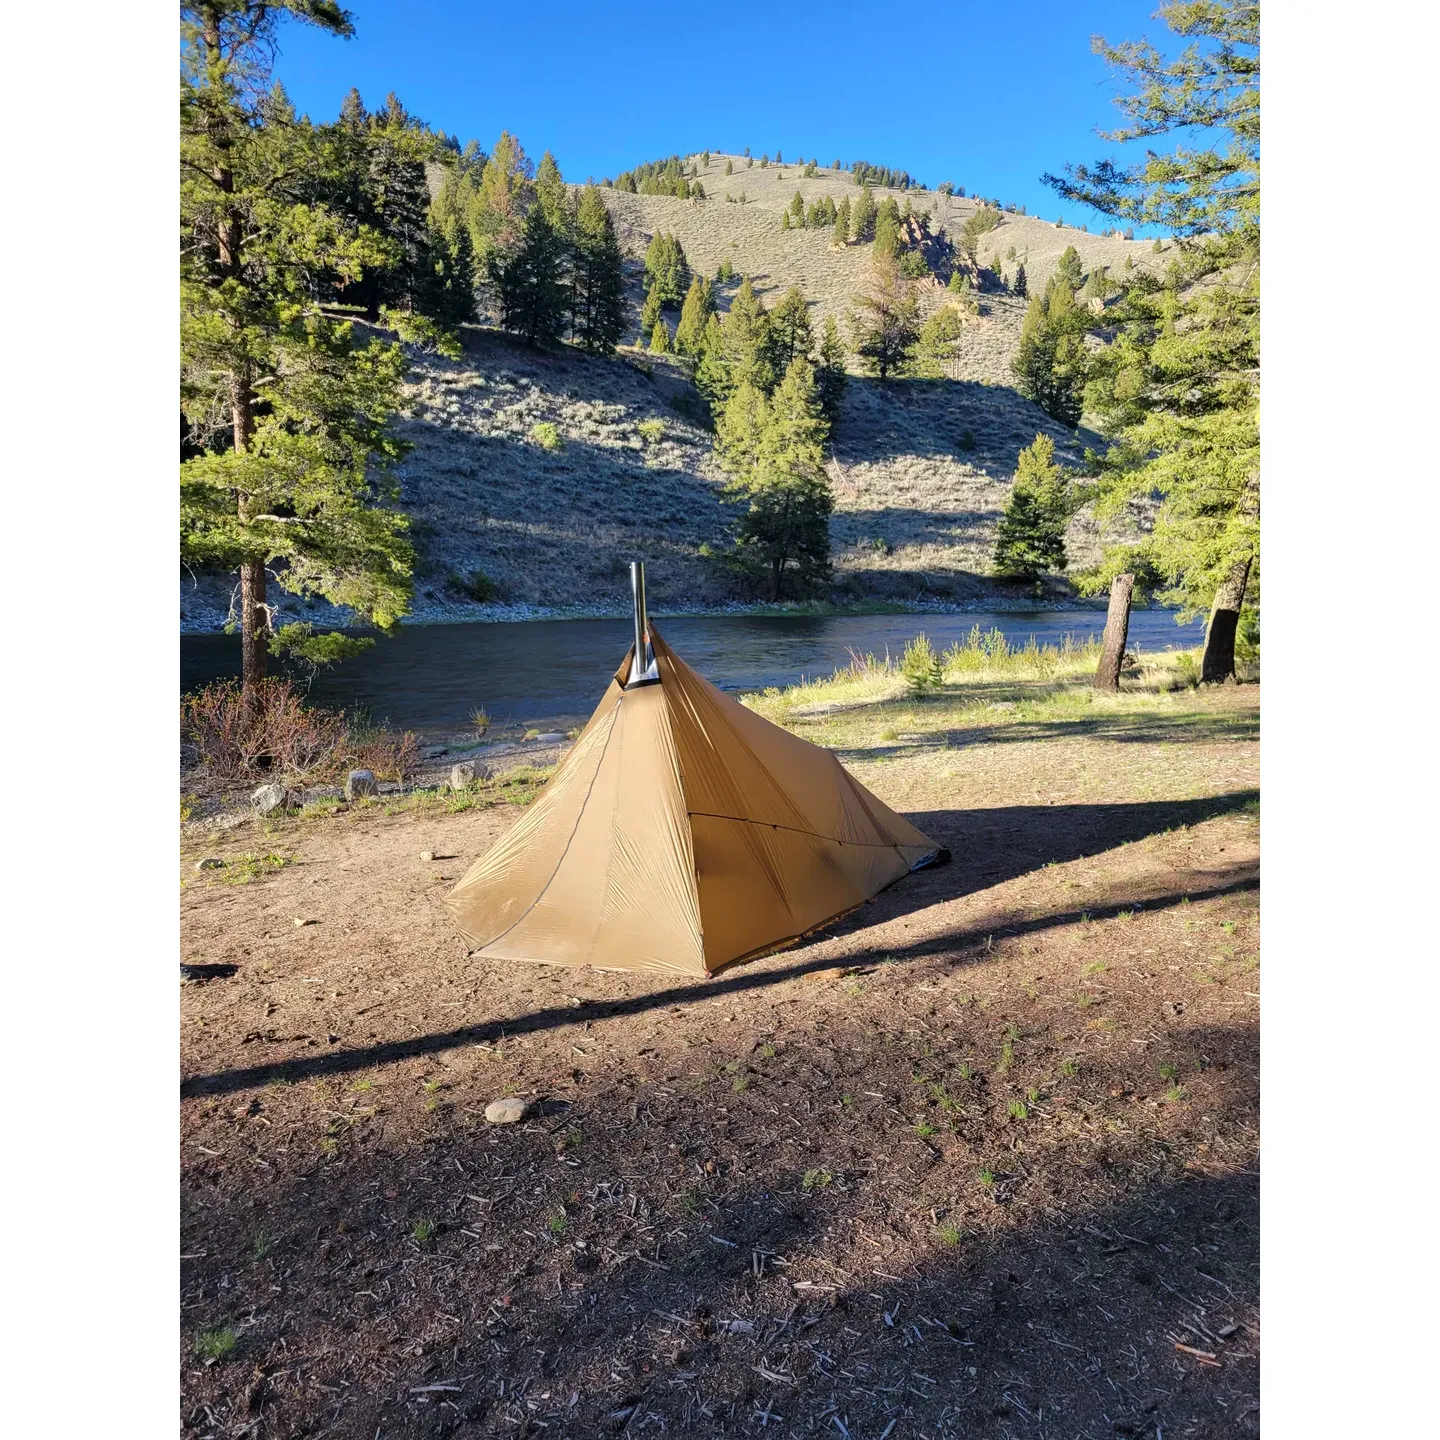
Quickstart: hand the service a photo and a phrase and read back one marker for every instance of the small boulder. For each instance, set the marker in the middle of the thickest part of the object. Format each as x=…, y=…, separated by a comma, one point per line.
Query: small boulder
x=427, y=856
x=359, y=783
x=509, y=1111
x=210, y=862
x=551, y=737
x=269, y=798
x=467, y=772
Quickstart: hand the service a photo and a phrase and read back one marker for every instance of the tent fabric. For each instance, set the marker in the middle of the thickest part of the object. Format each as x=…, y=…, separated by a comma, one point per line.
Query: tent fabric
x=682, y=832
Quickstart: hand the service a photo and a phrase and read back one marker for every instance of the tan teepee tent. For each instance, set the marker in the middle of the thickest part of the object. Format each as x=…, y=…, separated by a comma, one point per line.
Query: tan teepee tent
x=680, y=833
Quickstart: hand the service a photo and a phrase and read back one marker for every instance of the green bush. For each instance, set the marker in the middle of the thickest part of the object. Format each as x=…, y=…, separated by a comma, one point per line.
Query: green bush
x=546, y=436
x=921, y=666
x=476, y=586
x=651, y=431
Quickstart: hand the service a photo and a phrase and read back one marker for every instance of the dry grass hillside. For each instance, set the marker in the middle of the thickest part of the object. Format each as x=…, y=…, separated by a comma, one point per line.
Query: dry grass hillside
x=509, y=516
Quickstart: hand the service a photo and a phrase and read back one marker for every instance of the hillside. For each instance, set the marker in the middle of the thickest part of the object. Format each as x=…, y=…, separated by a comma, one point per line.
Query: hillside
x=921, y=469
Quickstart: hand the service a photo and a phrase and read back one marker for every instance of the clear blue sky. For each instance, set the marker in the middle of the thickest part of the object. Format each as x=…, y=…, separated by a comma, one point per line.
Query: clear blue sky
x=989, y=95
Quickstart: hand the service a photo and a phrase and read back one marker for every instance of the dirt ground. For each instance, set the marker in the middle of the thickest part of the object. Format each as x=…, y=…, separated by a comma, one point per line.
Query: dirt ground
x=979, y=1160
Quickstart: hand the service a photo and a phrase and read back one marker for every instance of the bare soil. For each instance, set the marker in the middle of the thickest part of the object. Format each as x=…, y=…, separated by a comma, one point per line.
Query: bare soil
x=978, y=1160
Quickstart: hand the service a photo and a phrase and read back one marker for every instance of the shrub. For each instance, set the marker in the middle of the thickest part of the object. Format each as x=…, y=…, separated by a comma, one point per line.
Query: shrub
x=476, y=586
x=921, y=666
x=546, y=436
x=276, y=731
x=651, y=431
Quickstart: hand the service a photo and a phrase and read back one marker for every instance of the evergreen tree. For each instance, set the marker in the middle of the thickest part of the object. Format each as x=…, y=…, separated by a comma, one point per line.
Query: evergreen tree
x=862, y=216
x=842, y=222
x=729, y=167
x=553, y=196
x=887, y=230
x=287, y=416
x=830, y=374
x=501, y=200
x=599, y=313
x=1030, y=538
x=666, y=270
x=938, y=343
x=532, y=282
x=1177, y=393
x=790, y=332
x=797, y=210
x=1050, y=360
x=772, y=451
x=650, y=312
x=694, y=316
x=1022, y=286
x=886, y=333
x=660, y=337
x=1069, y=271
x=785, y=219
x=742, y=352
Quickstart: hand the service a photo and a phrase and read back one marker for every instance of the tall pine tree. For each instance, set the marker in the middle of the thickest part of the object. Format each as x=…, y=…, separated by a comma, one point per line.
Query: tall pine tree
x=1030, y=538
x=532, y=282
x=288, y=412
x=599, y=314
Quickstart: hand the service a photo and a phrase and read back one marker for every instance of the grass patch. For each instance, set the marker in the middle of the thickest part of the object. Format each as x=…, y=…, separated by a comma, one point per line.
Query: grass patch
x=217, y=1343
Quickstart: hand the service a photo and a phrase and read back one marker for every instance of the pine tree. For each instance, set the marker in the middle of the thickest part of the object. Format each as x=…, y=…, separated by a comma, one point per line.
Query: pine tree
x=694, y=317
x=1030, y=538
x=667, y=270
x=842, y=222
x=830, y=373
x=797, y=210
x=660, y=337
x=729, y=167
x=599, y=313
x=742, y=349
x=1177, y=392
x=1022, y=286
x=289, y=414
x=862, y=217
x=887, y=230
x=886, y=333
x=938, y=343
x=785, y=219
x=1070, y=271
x=1050, y=360
x=790, y=331
x=553, y=196
x=532, y=282
x=501, y=200
x=650, y=312
x=772, y=451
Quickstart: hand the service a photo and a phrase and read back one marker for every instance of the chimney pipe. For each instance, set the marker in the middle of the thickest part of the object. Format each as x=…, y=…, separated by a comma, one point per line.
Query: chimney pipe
x=643, y=666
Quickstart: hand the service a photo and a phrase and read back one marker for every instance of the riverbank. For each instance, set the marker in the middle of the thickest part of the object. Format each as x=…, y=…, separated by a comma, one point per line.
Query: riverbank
x=212, y=619
x=898, y=1175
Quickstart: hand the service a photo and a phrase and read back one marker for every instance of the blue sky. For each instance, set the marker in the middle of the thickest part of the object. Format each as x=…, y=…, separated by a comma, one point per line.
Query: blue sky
x=990, y=97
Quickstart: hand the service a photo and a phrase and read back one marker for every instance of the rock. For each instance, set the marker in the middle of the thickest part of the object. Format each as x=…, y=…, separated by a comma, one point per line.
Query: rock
x=509, y=1111
x=299, y=922
x=433, y=752
x=427, y=856
x=210, y=862
x=551, y=737
x=269, y=798
x=467, y=772
x=359, y=783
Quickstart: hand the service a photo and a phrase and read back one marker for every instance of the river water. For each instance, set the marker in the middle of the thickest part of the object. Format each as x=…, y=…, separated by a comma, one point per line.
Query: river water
x=432, y=677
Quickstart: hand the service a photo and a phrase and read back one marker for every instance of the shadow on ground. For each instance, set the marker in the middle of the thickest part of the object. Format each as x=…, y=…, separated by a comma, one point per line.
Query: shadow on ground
x=988, y=847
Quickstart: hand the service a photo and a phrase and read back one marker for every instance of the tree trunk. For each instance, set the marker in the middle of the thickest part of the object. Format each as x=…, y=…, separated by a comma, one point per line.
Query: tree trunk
x=1219, y=660
x=1117, y=627
x=254, y=623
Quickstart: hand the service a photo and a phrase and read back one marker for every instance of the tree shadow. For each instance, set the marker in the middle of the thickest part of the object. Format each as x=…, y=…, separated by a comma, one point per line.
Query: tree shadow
x=988, y=848
x=685, y=1268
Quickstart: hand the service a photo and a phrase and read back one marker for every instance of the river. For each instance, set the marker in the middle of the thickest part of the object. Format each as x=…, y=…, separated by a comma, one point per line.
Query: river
x=432, y=677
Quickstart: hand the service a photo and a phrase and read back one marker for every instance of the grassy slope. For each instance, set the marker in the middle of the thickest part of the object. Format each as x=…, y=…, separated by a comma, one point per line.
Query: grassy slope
x=915, y=513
